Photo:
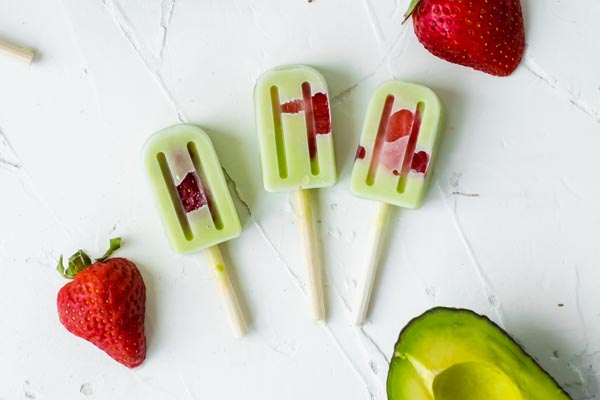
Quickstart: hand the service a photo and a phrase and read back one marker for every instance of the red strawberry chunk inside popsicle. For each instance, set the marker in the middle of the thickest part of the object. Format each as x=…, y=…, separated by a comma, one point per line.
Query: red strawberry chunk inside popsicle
x=399, y=125
x=191, y=195
x=420, y=162
x=396, y=139
x=320, y=104
x=361, y=152
x=318, y=117
x=292, y=106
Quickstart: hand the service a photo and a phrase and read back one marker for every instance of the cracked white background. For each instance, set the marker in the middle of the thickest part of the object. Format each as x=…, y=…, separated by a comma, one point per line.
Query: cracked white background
x=509, y=228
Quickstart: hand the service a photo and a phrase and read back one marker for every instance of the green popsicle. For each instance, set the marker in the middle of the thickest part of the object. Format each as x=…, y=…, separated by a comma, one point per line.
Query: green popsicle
x=182, y=158
x=295, y=138
x=397, y=147
x=194, y=202
x=293, y=121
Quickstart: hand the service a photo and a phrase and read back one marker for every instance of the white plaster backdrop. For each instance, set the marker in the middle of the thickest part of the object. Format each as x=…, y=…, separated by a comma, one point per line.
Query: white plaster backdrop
x=509, y=227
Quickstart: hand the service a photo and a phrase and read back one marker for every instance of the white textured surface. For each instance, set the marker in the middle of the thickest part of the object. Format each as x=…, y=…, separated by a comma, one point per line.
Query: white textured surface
x=509, y=227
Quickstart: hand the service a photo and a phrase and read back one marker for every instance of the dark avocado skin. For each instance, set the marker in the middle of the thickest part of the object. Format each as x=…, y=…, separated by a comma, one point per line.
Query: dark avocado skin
x=435, y=310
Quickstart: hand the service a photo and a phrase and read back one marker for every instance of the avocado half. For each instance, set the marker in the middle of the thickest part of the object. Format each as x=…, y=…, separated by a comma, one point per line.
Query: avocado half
x=456, y=354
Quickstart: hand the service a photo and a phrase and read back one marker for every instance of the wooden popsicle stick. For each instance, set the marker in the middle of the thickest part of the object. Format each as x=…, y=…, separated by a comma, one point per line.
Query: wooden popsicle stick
x=226, y=291
x=22, y=53
x=312, y=254
x=365, y=287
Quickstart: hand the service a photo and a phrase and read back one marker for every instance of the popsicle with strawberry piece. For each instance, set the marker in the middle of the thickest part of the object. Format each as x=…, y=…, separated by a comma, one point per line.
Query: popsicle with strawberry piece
x=194, y=203
x=295, y=138
x=393, y=161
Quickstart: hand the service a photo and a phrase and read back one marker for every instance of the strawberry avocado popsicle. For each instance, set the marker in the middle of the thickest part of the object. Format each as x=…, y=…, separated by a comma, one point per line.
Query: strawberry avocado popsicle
x=294, y=129
x=295, y=139
x=194, y=202
x=393, y=160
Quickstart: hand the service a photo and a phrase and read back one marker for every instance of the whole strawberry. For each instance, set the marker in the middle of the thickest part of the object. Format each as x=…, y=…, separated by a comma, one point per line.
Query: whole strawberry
x=487, y=35
x=105, y=304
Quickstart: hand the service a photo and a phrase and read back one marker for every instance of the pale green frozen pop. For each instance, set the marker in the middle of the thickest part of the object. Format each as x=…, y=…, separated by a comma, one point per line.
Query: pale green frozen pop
x=194, y=202
x=293, y=121
x=397, y=145
x=192, y=197
x=393, y=161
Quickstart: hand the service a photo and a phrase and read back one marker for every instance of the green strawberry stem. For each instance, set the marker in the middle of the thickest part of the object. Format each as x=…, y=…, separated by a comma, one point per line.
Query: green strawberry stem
x=80, y=260
x=115, y=243
x=411, y=8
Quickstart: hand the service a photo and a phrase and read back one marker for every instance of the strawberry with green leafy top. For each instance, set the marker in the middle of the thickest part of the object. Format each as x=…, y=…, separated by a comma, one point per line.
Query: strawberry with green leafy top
x=487, y=35
x=105, y=304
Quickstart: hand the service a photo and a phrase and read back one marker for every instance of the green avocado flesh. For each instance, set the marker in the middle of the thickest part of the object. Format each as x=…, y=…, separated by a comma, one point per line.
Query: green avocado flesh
x=456, y=354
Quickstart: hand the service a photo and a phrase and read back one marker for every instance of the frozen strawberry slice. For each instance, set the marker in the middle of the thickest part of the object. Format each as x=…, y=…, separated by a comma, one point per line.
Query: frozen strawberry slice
x=420, y=162
x=361, y=152
x=396, y=139
x=190, y=192
x=316, y=109
x=320, y=105
x=292, y=106
x=399, y=125
x=320, y=110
